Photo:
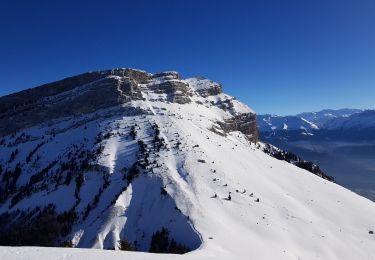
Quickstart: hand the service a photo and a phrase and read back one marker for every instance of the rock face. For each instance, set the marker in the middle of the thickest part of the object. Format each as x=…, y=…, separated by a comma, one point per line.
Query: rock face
x=91, y=91
x=176, y=91
x=30, y=96
x=245, y=123
x=77, y=95
x=167, y=74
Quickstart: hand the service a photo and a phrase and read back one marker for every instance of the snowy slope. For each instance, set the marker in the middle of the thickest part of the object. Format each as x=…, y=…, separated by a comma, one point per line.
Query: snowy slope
x=183, y=158
x=44, y=253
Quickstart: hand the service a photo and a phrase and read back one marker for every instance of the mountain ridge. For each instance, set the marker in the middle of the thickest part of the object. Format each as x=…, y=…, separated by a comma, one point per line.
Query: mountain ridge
x=328, y=123
x=118, y=86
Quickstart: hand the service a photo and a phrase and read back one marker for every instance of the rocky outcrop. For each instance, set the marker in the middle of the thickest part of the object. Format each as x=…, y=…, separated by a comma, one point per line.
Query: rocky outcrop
x=211, y=90
x=214, y=90
x=177, y=91
x=139, y=76
x=245, y=123
x=129, y=87
x=88, y=98
x=31, y=96
x=76, y=95
x=167, y=74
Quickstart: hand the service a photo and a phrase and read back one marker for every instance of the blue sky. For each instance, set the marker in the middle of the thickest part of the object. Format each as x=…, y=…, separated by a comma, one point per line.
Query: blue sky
x=280, y=57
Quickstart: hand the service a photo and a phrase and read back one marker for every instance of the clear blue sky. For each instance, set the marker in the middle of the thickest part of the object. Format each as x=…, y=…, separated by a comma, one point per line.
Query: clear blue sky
x=280, y=57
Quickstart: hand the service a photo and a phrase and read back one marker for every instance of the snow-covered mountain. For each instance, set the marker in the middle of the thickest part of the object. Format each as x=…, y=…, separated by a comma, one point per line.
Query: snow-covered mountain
x=272, y=124
x=356, y=121
x=306, y=121
x=322, y=117
x=125, y=158
x=333, y=124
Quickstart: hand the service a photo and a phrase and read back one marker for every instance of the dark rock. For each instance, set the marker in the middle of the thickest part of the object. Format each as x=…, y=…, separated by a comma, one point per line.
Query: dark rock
x=77, y=95
x=31, y=96
x=130, y=88
x=167, y=74
x=177, y=91
x=245, y=123
x=215, y=90
x=75, y=102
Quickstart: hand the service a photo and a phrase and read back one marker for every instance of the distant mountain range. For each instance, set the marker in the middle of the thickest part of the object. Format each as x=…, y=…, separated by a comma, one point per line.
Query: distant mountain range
x=328, y=124
x=341, y=142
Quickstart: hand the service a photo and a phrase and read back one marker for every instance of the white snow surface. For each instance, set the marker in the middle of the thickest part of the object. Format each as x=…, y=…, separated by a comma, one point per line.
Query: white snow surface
x=48, y=253
x=313, y=126
x=299, y=215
